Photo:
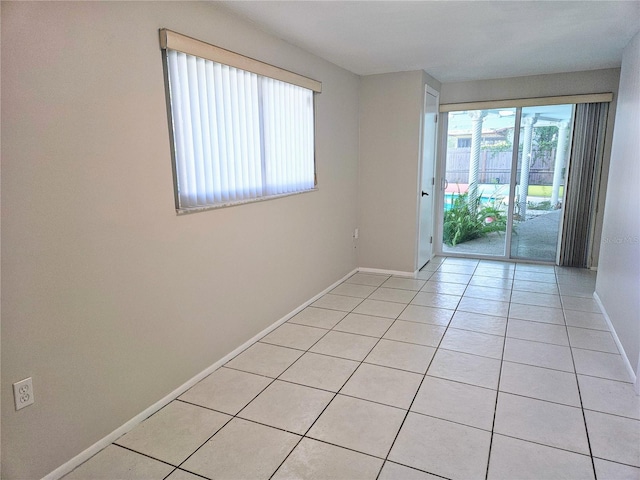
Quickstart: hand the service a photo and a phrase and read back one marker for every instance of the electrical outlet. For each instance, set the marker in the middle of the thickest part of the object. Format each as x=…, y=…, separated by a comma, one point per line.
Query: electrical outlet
x=23, y=393
x=356, y=233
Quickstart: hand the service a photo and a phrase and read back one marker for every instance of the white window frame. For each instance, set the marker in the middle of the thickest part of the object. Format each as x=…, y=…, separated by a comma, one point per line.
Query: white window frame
x=277, y=175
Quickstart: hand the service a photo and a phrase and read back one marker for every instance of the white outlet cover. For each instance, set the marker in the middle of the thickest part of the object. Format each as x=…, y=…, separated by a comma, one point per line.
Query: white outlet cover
x=23, y=393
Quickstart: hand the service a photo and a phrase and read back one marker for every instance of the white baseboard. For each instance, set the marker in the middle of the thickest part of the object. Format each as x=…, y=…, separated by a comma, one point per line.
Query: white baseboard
x=117, y=433
x=388, y=272
x=625, y=359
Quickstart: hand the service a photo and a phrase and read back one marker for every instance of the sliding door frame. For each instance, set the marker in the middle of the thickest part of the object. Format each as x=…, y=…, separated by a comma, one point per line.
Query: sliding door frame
x=440, y=170
x=512, y=183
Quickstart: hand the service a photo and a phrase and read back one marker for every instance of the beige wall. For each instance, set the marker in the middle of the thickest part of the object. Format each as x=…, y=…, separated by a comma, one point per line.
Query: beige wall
x=618, y=283
x=390, y=125
x=391, y=111
x=109, y=300
x=575, y=83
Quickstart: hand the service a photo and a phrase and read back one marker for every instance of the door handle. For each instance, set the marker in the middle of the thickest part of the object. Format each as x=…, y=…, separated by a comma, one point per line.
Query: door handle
x=425, y=194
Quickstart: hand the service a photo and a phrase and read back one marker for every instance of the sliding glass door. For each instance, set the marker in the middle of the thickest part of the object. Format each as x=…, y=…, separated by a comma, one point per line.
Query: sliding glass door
x=503, y=181
x=477, y=179
x=545, y=134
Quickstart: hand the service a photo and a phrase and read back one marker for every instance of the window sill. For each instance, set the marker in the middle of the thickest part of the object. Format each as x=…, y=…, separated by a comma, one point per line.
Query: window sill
x=204, y=208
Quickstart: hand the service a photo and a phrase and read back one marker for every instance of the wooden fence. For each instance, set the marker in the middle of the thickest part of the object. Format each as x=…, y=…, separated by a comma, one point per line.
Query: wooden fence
x=495, y=167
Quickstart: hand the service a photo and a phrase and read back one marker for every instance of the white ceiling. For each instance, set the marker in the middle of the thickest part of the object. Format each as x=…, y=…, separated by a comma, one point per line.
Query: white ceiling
x=453, y=40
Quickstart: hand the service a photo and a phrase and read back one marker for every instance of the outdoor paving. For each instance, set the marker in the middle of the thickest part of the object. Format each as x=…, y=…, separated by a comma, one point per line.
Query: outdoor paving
x=535, y=238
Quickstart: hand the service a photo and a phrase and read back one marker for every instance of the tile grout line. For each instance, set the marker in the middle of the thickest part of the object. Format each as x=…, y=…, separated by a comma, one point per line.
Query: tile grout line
x=420, y=385
x=144, y=455
x=562, y=371
x=360, y=363
x=379, y=338
x=192, y=453
x=223, y=426
x=337, y=392
x=495, y=408
x=416, y=412
x=273, y=380
x=386, y=331
x=545, y=445
x=363, y=362
x=575, y=371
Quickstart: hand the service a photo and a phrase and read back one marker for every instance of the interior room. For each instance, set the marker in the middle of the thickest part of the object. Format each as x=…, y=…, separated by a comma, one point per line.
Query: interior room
x=344, y=329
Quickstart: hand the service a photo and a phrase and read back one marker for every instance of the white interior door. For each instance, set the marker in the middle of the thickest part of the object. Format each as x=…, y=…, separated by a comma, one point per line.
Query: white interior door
x=425, y=229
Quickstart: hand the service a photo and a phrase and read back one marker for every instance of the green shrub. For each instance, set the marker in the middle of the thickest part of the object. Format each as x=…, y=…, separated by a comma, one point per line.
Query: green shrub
x=464, y=221
x=544, y=205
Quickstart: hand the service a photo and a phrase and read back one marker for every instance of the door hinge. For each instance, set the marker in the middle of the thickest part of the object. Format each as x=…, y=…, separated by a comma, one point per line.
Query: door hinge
x=433, y=180
x=430, y=239
x=435, y=119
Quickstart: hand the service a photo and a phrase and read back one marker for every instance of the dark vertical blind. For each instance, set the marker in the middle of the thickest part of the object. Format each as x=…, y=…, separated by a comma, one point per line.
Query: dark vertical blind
x=582, y=184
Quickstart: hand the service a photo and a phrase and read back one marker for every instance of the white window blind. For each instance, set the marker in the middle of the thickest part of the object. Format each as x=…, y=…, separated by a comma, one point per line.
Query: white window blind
x=237, y=136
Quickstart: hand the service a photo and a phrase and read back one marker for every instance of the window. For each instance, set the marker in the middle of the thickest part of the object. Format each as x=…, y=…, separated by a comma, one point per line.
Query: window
x=241, y=130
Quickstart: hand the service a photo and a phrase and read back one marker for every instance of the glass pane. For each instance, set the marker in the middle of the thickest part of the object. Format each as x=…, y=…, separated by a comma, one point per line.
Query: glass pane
x=543, y=153
x=478, y=172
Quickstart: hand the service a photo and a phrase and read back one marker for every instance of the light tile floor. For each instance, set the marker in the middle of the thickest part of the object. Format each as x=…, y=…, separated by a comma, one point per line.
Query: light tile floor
x=474, y=370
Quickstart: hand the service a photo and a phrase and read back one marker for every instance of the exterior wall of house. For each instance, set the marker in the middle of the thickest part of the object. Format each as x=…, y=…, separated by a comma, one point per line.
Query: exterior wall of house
x=618, y=283
x=109, y=300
